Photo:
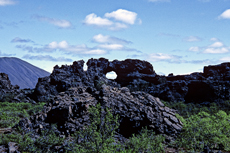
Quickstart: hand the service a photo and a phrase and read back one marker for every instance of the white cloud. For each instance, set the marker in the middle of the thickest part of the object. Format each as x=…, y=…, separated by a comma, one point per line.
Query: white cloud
x=55, y=45
x=159, y=0
x=214, y=39
x=75, y=49
x=192, y=39
x=63, y=44
x=123, y=15
x=101, y=38
x=47, y=58
x=216, y=50
x=118, y=26
x=156, y=57
x=64, y=47
x=95, y=52
x=93, y=19
x=225, y=59
x=217, y=44
x=194, y=49
x=217, y=47
x=112, y=43
x=108, y=39
x=7, y=2
x=116, y=20
x=56, y=22
x=111, y=46
x=225, y=14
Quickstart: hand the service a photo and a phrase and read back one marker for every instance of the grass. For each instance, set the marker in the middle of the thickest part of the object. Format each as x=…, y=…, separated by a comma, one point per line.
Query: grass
x=11, y=113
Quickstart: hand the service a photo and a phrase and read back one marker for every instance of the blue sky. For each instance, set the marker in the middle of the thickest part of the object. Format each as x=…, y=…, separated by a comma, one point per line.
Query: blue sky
x=175, y=36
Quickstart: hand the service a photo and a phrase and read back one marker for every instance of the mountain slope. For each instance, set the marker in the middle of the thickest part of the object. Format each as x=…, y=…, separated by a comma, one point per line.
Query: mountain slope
x=21, y=72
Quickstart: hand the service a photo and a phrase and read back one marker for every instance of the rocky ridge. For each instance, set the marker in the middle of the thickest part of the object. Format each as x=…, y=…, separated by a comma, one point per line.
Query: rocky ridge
x=212, y=85
x=69, y=91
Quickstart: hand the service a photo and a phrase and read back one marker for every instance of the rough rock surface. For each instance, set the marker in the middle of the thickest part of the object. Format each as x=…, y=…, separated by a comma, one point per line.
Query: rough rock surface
x=64, y=77
x=69, y=110
x=213, y=85
x=11, y=93
x=12, y=147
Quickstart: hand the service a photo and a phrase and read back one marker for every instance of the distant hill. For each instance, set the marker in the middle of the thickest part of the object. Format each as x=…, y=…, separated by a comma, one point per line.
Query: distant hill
x=21, y=72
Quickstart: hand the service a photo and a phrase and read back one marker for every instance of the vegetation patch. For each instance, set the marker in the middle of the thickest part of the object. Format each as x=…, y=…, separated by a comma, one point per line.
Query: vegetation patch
x=11, y=113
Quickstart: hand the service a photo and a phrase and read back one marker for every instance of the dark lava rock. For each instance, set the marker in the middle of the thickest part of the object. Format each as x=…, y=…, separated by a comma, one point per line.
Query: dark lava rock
x=213, y=85
x=11, y=93
x=69, y=110
x=12, y=147
x=5, y=84
x=64, y=77
x=200, y=91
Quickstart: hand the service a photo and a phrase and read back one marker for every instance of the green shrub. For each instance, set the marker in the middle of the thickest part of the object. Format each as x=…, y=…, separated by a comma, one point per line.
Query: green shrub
x=146, y=141
x=97, y=137
x=48, y=140
x=186, y=110
x=205, y=129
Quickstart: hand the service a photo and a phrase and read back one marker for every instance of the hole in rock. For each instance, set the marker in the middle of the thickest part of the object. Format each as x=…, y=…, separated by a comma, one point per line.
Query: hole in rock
x=111, y=75
x=85, y=67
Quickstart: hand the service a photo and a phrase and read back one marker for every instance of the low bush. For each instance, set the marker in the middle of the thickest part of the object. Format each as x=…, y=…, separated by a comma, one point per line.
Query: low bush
x=204, y=129
x=146, y=141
